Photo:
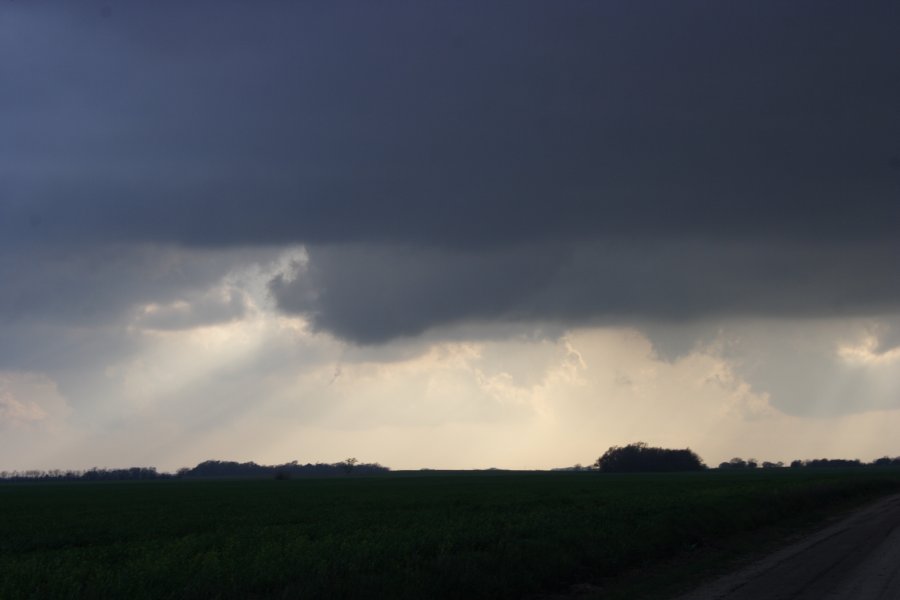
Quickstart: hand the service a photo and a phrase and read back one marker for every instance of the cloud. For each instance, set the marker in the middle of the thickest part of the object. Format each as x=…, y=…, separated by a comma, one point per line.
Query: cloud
x=214, y=306
x=263, y=387
x=370, y=294
x=518, y=403
x=209, y=209
x=422, y=124
x=101, y=283
x=29, y=400
x=816, y=367
x=375, y=293
x=515, y=162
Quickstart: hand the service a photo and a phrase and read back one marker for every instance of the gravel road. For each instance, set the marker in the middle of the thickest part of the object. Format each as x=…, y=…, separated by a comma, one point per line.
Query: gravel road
x=855, y=559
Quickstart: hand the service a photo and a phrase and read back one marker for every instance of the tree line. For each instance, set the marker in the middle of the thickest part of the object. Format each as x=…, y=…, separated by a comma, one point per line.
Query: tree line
x=94, y=474
x=206, y=469
x=642, y=458
x=633, y=458
x=815, y=463
x=219, y=468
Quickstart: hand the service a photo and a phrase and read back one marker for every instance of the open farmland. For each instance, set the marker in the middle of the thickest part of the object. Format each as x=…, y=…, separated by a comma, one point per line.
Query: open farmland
x=467, y=535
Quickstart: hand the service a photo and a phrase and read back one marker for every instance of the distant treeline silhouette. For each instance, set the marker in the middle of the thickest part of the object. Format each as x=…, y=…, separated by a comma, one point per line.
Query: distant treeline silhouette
x=206, y=469
x=218, y=468
x=641, y=458
x=95, y=474
x=633, y=458
x=815, y=463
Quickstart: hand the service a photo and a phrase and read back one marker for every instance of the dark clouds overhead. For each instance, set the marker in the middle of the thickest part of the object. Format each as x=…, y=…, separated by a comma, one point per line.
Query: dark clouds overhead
x=371, y=294
x=448, y=162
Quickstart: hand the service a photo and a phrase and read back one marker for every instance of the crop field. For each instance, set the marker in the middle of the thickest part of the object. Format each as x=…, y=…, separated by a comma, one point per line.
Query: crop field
x=475, y=535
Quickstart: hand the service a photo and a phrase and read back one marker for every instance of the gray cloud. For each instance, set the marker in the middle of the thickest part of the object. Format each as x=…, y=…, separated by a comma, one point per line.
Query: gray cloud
x=75, y=309
x=96, y=284
x=513, y=161
x=373, y=293
x=804, y=366
x=225, y=122
x=370, y=294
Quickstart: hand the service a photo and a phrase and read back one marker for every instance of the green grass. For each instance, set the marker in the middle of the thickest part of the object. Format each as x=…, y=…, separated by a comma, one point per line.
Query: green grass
x=431, y=536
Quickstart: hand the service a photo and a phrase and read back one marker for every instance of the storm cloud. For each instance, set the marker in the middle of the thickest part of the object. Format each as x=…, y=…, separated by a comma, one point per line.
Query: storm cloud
x=371, y=294
x=522, y=160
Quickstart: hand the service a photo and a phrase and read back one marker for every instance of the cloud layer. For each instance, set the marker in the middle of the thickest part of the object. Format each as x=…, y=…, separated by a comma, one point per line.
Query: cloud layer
x=508, y=154
x=303, y=194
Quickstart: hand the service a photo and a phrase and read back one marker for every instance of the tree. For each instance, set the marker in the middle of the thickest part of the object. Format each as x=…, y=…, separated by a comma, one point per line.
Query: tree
x=740, y=463
x=639, y=457
x=348, y=464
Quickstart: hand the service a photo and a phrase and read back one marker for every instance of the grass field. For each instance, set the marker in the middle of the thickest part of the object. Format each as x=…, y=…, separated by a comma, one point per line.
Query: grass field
x=398, y=536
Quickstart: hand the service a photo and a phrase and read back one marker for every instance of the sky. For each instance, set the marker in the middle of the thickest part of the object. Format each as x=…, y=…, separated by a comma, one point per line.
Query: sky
x=447, y=234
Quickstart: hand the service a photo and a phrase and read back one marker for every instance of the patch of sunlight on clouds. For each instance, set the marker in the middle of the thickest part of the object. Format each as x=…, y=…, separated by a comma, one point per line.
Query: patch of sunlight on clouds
x=441, y=385
x=28, y=399
x=34, y=427
x=267, y=388
x=619, y=391
x=205, y=334
x=172, y=360
x=556, y=403
x=867, y=352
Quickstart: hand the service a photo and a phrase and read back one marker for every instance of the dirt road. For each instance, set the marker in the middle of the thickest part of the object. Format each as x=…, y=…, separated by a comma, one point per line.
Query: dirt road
x=855, y=559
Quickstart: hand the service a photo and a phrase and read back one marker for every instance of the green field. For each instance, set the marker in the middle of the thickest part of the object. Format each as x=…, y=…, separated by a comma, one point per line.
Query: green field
x=473, y=535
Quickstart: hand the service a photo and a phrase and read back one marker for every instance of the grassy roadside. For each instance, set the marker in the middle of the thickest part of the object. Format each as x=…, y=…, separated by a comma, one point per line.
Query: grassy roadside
x=436, y=536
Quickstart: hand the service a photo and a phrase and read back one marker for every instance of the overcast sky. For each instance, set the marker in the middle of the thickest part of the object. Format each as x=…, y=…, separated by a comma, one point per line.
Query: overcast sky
x=447, y=234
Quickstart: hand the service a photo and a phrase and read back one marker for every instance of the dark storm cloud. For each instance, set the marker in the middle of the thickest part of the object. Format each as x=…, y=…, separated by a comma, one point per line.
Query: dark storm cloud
x=71, y=308
x=540, y=160
x=373, y=293
x=99, y=285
